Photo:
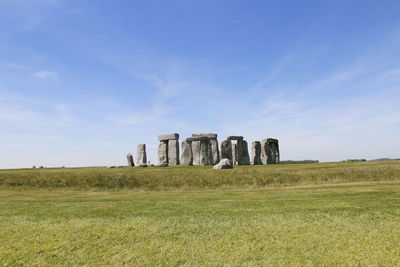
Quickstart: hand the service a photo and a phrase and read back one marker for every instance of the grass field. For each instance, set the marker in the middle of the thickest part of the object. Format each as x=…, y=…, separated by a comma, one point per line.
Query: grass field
x=199, y=177
x=329, y=221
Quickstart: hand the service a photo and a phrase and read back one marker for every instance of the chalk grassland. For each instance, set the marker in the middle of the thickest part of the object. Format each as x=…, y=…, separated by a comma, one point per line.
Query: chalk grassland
x=328, y=225
x=199, y=177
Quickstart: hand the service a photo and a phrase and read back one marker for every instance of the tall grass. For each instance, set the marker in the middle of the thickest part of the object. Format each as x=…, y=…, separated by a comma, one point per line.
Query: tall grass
x=194, y=177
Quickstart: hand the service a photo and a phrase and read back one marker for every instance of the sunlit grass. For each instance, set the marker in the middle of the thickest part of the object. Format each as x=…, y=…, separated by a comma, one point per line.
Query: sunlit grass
x=327, y=225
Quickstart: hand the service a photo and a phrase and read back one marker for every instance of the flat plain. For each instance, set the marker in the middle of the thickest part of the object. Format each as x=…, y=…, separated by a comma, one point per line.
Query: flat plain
x=315, y=214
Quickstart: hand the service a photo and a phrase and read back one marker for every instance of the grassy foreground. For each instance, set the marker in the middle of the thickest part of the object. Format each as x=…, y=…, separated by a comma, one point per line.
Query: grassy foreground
x=199, y=177
x=348, y=224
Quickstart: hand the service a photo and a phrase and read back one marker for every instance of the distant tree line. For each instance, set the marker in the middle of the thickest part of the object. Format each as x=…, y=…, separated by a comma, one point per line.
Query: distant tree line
x=307, y=161
x=354, y=160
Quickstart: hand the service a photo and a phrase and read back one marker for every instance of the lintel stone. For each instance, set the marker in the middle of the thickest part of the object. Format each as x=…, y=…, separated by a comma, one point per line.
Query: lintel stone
x=166, y=137
x=233, y=137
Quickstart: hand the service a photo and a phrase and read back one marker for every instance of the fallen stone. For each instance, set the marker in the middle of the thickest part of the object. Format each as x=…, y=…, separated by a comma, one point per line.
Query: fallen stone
x=223, y=164
x=256, y=152
x=233, y=137
x=186, y=155
x=162, y=165
x=167, y=137
x=141, y=156
x=163, y=152
x=173, y=152
x=142, y=165
x=129, y=157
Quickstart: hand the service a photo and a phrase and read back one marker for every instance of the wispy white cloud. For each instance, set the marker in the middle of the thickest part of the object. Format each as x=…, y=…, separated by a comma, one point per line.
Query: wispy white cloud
x=14, y=66
x=46, y=75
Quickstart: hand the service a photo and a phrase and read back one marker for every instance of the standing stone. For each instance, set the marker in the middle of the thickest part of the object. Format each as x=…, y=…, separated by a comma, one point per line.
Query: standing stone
x=163, y=153
x=256, y=152
x=243, y=153
x=226, y=150
x=205, y=152
x=129, y=157
x=214, y=150
x=173, y=152
x=187, y=155
x=141, y=156
x=270, y=151
x=264, y=156
x=196, y=152
x=212, y=156
x=234, y=154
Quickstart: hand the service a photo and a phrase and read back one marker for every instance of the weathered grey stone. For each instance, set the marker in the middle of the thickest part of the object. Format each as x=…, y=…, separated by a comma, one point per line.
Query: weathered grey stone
x=141, y=155
x=270, y=151
x=243, y=157
x=256, y=152
x=226, y=150
x=208, y=135
x=233, y=137
x=197, y=138
x=164, y=164
x=234, y=154
x=214, y=150
x=167, y=137
x=142, y=165
x=223, y=164
x=196, y=152
x=129, y=157
x=163, y=152
x=205, y=152
x=186, y=155
x=173, y=152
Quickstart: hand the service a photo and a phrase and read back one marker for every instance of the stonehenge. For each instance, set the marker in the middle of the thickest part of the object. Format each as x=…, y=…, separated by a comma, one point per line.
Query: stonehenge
x=129, y=157
x=202, y=149
x=270, y=151
x=168, y=150
x=256, y=152
x=141, y=156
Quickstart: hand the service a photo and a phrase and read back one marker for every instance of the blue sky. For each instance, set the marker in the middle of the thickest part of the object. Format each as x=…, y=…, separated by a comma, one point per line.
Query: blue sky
x=83, y=82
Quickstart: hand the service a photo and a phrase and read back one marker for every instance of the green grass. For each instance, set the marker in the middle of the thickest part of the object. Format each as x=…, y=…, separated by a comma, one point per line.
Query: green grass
x=348, y=224
x=199, y=177
x=328, y=214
